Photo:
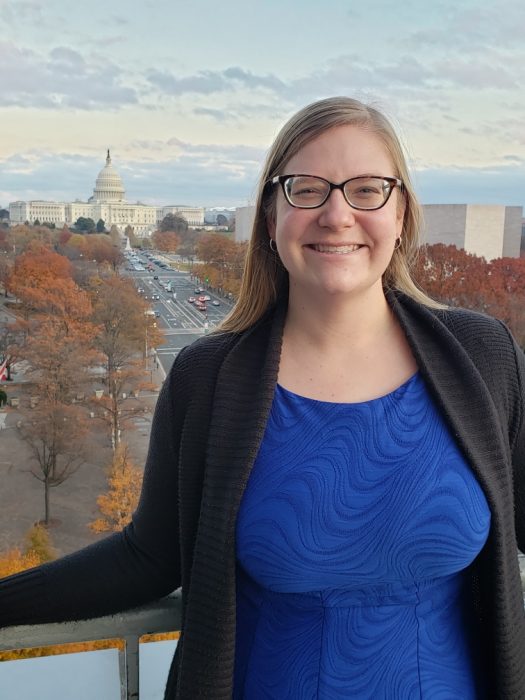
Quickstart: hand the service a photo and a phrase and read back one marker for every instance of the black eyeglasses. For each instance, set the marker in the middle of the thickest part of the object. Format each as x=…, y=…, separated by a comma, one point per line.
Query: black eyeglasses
x=310, y=192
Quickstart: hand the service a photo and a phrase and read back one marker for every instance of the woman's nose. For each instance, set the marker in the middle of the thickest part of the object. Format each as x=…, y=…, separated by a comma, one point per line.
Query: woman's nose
x=336, y=212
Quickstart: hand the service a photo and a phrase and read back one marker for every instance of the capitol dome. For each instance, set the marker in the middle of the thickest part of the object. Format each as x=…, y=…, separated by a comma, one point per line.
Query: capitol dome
x=108, y=187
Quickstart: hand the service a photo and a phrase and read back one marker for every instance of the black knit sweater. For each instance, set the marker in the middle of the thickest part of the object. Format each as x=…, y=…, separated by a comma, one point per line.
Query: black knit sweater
x=209, y=422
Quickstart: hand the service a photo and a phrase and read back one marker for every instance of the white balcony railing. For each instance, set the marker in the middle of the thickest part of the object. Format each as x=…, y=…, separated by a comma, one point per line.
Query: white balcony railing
x=161, y=616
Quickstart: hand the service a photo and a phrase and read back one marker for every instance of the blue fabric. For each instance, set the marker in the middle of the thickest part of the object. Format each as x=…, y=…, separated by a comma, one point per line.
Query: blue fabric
x=353, y=532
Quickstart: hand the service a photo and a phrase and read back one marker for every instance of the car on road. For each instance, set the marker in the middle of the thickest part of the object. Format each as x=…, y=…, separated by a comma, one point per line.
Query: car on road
x=203, y=299
x=155, y=296
x=140, y=290
x=155, y=277
x=191, y=299
x=206, y=297
x=216, y=303
x=157, y=314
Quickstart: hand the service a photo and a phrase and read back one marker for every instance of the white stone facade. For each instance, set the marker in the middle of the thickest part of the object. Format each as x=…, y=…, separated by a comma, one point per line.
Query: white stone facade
x=193, y=215
x=108, y=203
x=244, y=217
x=486, y=230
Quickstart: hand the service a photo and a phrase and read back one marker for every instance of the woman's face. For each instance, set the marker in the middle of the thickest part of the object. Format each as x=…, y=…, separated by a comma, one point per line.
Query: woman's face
x=335, y=249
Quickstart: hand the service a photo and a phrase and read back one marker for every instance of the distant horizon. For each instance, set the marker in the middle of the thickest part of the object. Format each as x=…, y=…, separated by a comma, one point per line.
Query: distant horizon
x=156, y=202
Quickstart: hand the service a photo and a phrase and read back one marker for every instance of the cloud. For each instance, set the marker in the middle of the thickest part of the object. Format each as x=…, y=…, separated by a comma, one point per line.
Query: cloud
x=197, y=174
x=207, y=82
x=62, y=78
x=21, y=11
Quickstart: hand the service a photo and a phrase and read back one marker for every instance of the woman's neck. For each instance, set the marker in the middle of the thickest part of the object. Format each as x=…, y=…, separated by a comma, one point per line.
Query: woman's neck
x=354, y=320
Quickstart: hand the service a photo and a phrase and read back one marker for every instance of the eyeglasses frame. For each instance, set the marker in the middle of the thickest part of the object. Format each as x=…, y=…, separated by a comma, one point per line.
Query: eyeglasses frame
x=281, y=179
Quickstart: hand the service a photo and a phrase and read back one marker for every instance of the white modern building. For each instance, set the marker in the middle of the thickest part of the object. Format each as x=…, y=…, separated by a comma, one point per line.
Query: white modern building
x=244, y=217
x=108, y=202
x=486, y=230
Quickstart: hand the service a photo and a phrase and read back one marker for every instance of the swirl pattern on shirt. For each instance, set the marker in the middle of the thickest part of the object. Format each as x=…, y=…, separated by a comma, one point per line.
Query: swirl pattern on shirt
x=355, y=526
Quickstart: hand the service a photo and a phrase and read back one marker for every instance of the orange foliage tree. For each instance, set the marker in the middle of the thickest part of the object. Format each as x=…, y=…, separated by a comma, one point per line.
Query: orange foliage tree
x=121, y=499
x=124, y=332
x=167, y=241
x=222, y=262
x=37, y=550
x=458, y=278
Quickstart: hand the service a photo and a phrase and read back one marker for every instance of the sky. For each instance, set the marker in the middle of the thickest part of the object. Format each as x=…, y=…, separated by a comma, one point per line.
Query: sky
x=189, y=95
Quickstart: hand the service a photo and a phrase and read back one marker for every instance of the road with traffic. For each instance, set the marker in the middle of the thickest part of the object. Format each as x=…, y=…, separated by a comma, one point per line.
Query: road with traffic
x=167, y=290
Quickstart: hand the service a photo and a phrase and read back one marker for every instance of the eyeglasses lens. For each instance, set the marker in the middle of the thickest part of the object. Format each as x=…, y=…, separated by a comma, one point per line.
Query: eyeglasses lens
x=361, y=193
x=367, y=192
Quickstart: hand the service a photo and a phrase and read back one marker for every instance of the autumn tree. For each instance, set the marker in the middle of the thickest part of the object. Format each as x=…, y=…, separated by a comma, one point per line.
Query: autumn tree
x=458, y=278
x=452, y=276
x=20, y=237
x=117, y=505
x=56, y=434
x=167, y=241
x=115, y=236
x=34, y=274
x=124, y=331
x=64, y=236
x=101, y=249
x=222, y=261
x=187, y=245
x=37, y=549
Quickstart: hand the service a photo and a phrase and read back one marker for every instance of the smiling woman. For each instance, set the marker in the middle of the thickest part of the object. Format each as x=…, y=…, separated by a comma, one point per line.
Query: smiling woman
x=336, y=475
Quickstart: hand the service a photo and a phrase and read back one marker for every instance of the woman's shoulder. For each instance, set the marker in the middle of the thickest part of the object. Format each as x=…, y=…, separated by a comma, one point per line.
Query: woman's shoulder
x=205, y=353
x=468, y=321
x=486, y=340
x=461, y=322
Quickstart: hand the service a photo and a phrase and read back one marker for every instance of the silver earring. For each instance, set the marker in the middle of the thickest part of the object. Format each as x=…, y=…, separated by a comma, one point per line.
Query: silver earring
x=397, y=243
x=272, y=245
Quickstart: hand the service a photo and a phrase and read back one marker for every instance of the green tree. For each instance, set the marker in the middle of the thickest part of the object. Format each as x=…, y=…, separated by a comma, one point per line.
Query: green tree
x=174, y=222
x=85, y=224
x=101, y=226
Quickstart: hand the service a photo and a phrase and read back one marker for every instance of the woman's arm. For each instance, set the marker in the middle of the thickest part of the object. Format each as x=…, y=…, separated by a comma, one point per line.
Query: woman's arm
x=126, y=569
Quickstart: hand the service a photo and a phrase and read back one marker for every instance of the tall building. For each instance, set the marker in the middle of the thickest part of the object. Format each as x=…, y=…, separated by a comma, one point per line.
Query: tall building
x=486, y=230
x=108, y=202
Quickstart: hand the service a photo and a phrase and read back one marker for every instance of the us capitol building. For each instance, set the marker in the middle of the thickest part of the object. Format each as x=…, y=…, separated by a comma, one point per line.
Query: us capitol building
x=107, y=203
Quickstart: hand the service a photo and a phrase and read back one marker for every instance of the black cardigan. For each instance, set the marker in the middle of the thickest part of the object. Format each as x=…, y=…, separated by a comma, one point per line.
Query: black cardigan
x=209, y=421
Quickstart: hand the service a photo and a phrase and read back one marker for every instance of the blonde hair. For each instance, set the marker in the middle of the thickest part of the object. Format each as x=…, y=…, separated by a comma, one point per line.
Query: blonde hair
x=265, y=279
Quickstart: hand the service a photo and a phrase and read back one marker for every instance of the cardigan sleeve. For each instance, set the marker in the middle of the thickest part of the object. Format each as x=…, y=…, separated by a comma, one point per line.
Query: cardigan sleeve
x=518, y=449
x=126, y=569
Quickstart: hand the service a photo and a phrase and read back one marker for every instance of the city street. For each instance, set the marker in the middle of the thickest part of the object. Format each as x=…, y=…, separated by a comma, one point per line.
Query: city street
x=180, y=320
